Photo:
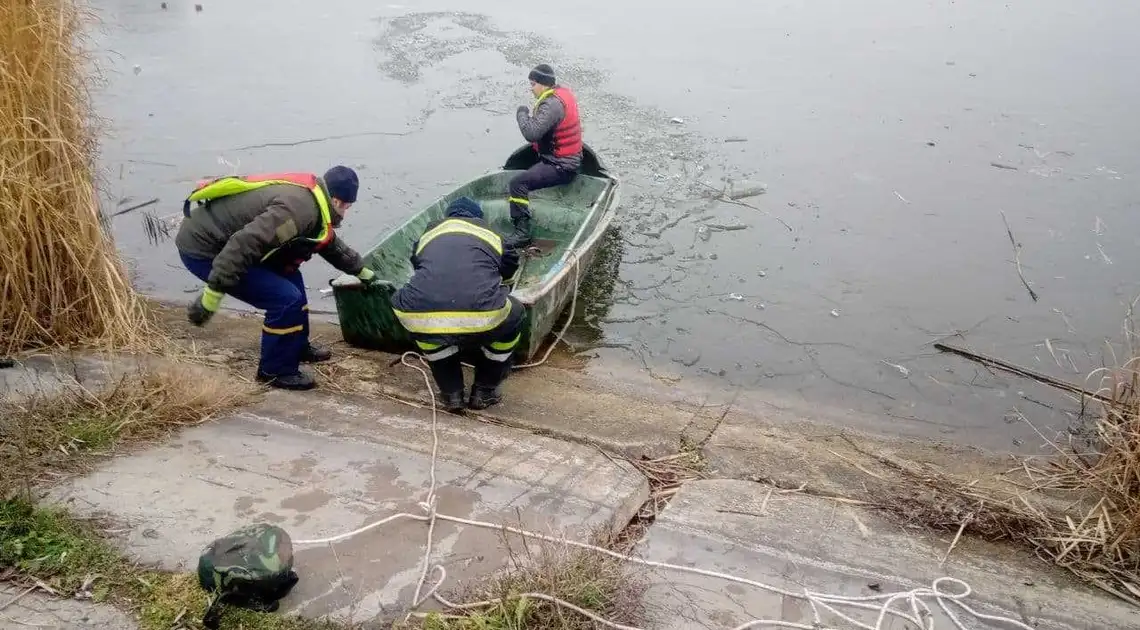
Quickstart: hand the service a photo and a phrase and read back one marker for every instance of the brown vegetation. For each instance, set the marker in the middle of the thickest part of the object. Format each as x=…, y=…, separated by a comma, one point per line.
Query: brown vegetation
x=63, y=283
x=57, y=429
x=1079, y=509
x=44, y=549
x=520, y=597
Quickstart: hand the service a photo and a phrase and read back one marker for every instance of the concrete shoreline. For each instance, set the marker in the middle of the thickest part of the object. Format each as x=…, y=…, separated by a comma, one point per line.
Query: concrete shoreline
x=325, y=462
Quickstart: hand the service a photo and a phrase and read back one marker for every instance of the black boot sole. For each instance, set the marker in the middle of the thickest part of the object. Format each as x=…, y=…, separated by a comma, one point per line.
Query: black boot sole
x=479, y=404
x=310, y=358
x=316, y=359
x=297, y=387
x=455, y=405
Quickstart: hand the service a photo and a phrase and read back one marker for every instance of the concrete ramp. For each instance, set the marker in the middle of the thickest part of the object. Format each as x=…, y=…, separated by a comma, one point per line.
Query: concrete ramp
x=23, y=609
x=795, y=542
x=320, y=466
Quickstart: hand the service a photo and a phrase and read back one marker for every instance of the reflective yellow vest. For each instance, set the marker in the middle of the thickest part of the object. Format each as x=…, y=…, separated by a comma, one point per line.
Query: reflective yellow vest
x=301, y=248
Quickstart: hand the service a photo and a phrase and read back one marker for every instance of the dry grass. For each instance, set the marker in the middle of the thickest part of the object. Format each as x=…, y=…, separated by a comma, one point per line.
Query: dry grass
x=1079, y=509
x=47, y=550
x=51, y=433
x=60, y=428
x=63, y=283
x=1101, y=542
x=593, y=581
x=666, y=475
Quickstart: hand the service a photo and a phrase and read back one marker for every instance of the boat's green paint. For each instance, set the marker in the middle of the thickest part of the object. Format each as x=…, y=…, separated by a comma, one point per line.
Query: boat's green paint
x=573, y=216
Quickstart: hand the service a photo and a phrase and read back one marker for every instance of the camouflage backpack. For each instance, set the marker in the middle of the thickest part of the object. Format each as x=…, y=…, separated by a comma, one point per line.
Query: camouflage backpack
x=249, y=568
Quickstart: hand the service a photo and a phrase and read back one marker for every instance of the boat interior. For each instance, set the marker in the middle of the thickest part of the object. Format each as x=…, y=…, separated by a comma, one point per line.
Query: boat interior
x=558, y=214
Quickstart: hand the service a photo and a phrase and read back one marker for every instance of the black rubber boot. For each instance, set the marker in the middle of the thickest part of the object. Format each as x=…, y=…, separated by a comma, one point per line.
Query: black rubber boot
x=315, y=354
x=483, y=397
x=522, y=235
x=299, y=381
x=452, y=401
x=448, y=373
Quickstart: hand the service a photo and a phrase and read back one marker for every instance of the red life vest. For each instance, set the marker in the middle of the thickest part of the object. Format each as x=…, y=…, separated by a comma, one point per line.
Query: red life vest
x=567, y=134
x=308, y=180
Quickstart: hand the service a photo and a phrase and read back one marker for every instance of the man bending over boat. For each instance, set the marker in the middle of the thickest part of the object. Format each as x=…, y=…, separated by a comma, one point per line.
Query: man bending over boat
x=457, y=302
x=248, y=236
x=555, y=132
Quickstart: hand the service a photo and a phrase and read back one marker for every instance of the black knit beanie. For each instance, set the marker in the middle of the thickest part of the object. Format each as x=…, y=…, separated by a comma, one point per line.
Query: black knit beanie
x=342, y=183
x=542, y=74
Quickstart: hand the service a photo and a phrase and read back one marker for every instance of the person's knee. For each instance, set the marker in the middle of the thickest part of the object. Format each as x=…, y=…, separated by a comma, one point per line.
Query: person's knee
x=288, y=305
x=519, y=184
x=297, y=304
x=198, y=267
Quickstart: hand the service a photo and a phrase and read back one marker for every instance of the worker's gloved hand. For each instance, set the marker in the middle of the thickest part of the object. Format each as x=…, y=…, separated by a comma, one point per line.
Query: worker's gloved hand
x=204, y=306
x=523, y=109
x=367, y=276
x=370, y=279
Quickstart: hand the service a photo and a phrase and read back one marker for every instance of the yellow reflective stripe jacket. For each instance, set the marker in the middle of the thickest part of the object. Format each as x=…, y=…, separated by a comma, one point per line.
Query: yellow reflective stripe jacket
x=457, y=286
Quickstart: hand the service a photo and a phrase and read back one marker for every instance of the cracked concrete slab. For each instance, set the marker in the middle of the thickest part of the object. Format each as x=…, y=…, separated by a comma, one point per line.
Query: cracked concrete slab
x=22, y=610
x=796, y=542
x=319, y=467
x=46, y=375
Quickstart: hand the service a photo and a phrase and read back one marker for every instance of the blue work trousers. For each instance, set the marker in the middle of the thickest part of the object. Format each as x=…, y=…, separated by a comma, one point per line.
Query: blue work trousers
x=285, y=331
x=541, y=175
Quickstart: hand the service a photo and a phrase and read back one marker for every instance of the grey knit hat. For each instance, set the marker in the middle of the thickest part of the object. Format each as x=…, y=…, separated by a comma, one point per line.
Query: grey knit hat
x=542, y=74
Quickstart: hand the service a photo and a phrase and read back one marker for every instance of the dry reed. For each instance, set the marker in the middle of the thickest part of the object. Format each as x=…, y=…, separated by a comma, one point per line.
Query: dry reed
x=1102, y=541
x=63, y=283
x=1080, y=508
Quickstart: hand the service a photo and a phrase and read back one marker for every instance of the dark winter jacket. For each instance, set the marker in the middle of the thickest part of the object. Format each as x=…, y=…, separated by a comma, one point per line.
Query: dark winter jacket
x=239, y=230
x=458, y=269
x=540, y=128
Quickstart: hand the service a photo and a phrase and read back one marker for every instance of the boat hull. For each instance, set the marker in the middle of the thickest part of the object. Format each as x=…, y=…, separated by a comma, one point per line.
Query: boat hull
x=548, y=286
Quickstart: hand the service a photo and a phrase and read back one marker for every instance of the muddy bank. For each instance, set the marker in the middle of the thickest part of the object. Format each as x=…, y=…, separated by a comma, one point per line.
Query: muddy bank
x=743, y=436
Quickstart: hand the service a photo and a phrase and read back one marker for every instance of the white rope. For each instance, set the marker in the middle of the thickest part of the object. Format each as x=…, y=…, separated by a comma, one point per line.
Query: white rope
x=566, y=326
x=428, y=504
x=920, y=614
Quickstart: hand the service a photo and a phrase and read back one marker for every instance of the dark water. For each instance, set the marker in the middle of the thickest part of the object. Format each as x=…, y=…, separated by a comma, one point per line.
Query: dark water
x=891, y=134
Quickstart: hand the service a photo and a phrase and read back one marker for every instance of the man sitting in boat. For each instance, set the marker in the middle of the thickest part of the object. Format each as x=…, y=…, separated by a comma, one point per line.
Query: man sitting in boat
x=457, y=301
x=248, y=236
x=555, y=132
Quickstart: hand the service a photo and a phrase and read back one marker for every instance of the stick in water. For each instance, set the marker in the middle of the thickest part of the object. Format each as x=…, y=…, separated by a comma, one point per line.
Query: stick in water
x=1017, y=256
x=144, y=204
x=1020, y=371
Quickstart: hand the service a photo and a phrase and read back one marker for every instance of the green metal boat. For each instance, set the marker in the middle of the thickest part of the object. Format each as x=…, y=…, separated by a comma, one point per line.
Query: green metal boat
x=568, y=223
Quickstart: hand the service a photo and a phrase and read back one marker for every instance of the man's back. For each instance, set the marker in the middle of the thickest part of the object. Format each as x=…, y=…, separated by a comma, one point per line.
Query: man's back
x=458, y=268
x=205, y=232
